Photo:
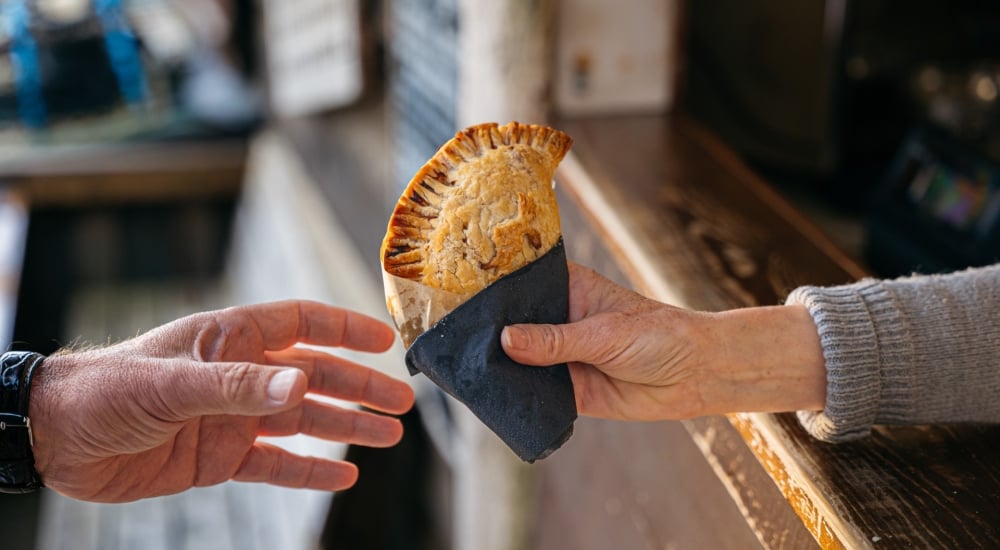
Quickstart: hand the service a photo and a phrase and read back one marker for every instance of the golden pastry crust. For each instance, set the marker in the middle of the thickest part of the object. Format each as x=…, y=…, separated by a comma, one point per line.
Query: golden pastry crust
x=481, y=208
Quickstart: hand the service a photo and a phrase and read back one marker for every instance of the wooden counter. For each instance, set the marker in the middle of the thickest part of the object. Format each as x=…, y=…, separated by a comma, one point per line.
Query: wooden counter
x=659, y=204
x=687, y=223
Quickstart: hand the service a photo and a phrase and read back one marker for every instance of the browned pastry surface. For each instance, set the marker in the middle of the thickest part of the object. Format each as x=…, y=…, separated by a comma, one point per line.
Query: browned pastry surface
x=481, y=208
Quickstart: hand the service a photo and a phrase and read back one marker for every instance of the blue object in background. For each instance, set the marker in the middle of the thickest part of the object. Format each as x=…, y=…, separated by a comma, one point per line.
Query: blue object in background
x=59, y=72
x=24, y=59
x=123, y=51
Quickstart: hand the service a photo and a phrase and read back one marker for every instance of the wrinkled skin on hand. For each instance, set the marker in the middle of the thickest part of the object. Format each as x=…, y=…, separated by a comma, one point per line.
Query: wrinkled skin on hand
x=184, y=405
x=634, y=358
x=626, y=352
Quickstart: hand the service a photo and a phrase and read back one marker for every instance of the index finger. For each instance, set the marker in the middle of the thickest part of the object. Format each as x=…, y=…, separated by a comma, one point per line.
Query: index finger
x=325, y=325
x=239, y=332
x=284, y=324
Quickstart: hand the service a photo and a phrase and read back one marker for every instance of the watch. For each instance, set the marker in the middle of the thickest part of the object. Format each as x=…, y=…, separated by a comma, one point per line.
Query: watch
x=17, y=463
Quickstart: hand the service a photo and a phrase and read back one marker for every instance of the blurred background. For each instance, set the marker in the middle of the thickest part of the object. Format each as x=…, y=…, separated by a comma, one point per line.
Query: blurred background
x=161, y=157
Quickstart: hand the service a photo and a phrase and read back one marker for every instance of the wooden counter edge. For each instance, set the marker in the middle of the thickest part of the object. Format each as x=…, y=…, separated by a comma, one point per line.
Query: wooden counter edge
x=760, y=432
x=125, y=173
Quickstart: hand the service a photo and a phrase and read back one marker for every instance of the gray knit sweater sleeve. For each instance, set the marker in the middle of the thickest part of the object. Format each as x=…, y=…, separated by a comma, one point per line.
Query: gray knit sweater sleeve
x=915, y=350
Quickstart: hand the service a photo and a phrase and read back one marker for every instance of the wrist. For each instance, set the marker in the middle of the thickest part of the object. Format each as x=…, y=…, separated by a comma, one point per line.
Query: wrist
x=43, y=395
x=767, y=359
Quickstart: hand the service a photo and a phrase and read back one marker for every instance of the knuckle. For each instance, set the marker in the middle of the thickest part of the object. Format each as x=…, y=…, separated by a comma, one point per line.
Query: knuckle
x=353, y=429
x=219, y=333
x=277, y=466
x=306, y=422
x=211, y=340
x=237, y=380
x=552, y=341
x=605, y=342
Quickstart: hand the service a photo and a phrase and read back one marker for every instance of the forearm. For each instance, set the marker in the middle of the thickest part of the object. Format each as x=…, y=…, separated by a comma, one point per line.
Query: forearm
x=763, y=359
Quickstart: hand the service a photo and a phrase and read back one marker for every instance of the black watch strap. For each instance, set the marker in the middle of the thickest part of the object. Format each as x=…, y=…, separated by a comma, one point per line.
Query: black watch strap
x=17, y=463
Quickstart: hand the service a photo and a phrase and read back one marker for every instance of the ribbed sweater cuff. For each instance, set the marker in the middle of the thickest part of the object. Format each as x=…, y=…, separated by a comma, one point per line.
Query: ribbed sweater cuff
x=866, y=350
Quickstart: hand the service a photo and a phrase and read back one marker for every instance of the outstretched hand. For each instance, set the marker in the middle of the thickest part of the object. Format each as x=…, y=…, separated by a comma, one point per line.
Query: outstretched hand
x=184, y=404
x=634, y=358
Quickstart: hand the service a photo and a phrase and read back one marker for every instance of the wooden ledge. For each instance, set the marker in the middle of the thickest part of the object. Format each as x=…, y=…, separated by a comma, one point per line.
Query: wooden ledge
x=125, y=173
x=688, y=223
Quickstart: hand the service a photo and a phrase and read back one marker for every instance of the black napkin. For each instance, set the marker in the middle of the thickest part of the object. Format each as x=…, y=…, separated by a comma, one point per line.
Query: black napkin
x=532, y=409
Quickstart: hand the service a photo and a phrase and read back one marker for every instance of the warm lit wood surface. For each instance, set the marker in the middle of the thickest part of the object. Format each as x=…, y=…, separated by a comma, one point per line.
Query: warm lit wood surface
x=689, y=224
x=661, y=205
x=648, y=485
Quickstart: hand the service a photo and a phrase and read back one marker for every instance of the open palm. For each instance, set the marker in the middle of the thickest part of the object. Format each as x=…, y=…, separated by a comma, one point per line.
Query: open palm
x=184, y=405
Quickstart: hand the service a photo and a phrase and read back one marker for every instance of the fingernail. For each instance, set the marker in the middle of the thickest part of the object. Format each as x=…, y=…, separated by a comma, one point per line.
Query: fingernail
x=514, y=338
x=280, y=386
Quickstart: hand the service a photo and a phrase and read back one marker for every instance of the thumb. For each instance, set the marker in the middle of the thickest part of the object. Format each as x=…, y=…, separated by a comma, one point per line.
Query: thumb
x=549, y=344
x=199, y=389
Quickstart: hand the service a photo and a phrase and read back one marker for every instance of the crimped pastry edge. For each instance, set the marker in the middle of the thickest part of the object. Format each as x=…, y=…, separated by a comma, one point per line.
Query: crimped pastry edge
x=417, y=204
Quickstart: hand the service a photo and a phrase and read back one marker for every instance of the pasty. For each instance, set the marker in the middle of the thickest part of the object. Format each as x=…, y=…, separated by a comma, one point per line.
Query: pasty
x=481, y=208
